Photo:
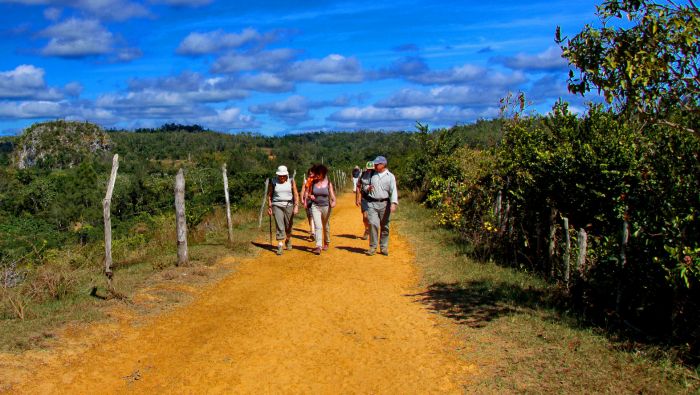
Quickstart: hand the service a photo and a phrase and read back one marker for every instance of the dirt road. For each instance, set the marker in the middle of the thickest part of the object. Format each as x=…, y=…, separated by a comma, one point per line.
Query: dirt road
x=341, y=322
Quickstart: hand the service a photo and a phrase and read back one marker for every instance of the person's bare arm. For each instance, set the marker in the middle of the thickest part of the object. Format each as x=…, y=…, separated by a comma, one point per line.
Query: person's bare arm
x=296, y=196
x=331, y=191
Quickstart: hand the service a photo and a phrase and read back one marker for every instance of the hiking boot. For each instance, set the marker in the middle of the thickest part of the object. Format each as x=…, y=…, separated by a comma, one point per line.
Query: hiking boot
x=385, y=253
x=289, y=244
x=279, y=249
x=371, y=251
x=317, y=250
x=365, y=236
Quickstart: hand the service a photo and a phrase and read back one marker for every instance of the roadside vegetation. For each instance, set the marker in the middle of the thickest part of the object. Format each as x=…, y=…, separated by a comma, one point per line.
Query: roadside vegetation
x=604, y=205
x=519, y=332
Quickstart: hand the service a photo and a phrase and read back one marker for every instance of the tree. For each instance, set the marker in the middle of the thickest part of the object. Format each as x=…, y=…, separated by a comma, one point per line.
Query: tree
x=646, y=65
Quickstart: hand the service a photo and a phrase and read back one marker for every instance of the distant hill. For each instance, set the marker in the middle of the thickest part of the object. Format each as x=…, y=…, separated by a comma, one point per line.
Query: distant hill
x=59, y=144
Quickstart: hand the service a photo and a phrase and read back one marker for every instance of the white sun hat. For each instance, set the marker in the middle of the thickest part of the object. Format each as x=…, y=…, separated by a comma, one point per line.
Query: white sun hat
x=282, y=171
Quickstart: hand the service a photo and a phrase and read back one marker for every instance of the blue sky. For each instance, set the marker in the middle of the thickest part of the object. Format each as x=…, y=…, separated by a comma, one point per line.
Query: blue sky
x=274, y=67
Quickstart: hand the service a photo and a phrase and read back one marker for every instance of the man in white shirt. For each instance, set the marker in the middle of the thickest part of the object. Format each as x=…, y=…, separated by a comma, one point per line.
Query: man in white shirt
x=382, y=199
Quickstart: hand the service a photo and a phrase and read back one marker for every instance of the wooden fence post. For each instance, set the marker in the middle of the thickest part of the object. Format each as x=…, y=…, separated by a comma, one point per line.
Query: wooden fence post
x=181, y=223
x=567, y=251
x=106, y=206
x=262, y=206
x=623, y=259
x=552, y=240
x=582, y=246
x=228, y=205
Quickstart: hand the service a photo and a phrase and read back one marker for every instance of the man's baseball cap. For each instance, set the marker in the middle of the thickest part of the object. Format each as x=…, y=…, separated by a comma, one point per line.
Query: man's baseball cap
x=380, y=159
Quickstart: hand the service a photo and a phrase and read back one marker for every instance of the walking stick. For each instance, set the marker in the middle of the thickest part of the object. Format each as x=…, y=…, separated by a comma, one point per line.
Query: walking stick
x=270, y=229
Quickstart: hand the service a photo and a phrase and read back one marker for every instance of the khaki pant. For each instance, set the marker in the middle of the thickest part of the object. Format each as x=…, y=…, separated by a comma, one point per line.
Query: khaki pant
x=284, y=219
x=379, y=216
x=322, y=224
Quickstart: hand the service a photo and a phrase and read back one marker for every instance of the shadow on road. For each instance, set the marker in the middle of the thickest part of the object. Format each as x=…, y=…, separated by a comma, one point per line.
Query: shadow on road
x=348, y=236
x=476, y=303
x=356, y=250
x=265, y=246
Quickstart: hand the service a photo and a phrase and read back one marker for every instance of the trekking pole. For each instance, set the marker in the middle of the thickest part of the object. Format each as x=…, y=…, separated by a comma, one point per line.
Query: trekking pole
x=270, y=229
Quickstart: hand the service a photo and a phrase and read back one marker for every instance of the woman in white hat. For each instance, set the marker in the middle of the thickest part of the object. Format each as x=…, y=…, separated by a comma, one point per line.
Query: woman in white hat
x=283, y=202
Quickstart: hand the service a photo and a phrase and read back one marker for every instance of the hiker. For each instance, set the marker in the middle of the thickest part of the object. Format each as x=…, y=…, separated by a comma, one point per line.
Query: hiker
x=360, y=195
x=307, y=202
x=382, y=200
x=322, y=196
x=356, y=172
x=283, y=202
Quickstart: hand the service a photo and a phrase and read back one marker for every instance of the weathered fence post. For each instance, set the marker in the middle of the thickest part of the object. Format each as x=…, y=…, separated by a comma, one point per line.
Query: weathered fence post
x=582, y=246
x=106, y=206
x=262, y=206
x=623, y=259
x=552, y=240
x=181, y=223
x=497, y=209
x=228, y=204
x=567, y=251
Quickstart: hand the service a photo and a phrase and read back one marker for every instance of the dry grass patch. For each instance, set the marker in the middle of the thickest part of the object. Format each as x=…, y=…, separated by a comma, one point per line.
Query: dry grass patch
x=70, y=286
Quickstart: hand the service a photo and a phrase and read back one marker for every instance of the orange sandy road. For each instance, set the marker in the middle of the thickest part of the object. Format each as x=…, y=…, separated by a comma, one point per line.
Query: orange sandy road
x=299, y=323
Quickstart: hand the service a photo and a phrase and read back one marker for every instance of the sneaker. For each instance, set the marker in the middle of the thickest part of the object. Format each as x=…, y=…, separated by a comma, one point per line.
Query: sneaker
x=385, y=253
x=371, y=251
x=325, y=247
x=317, y=250
x=279, y=249
x=365, y=236
x=289, y=244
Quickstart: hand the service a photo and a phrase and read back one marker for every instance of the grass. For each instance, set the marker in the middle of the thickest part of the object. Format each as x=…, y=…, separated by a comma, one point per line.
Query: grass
x=514, y=331
x=70, y=286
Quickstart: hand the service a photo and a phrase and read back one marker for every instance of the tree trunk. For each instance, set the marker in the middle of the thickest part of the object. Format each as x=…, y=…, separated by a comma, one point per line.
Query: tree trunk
x=106, y=206
x=228, y=205
x=180, y=218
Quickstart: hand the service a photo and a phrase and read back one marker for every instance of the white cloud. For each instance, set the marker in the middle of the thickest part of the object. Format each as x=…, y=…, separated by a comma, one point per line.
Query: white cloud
x=31, y=109
x=463, y=96
x=468, y=74
x=405, y=117
x=292, y=110
x=332, y=69
x=218, y=40
x=73, y=89
x=549, y=60
x=104, y=9
x=229, y=118
x=77, y=38
x=26, y=82
x=272, y=60
x=186, y=86
x=265, y=82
